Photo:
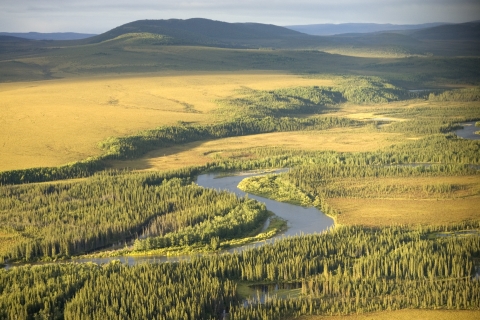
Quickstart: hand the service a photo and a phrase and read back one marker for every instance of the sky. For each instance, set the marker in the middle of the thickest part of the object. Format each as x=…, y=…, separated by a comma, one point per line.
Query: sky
x=97, y=16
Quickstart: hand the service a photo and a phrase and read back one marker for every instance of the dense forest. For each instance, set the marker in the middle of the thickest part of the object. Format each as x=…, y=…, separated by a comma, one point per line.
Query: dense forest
x=170, y=211
x=312, y=100
x=349, y=269
x=468, y=94
x=111, y=208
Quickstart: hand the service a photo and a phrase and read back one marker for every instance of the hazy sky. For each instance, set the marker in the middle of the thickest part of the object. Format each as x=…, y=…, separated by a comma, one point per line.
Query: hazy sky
x=96, y=16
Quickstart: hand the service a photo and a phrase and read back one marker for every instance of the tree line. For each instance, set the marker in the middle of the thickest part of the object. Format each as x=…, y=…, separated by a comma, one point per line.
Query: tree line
x=346, y=270
x=134, y=146
x=466, y=94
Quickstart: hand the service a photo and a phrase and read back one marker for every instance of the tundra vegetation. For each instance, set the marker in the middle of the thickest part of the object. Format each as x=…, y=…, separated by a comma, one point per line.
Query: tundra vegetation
x=383, y=161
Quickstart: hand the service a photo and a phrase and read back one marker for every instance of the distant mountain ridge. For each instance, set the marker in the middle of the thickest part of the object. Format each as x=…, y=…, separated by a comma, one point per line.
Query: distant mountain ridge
x=461, y=31
x=48, y=36
x=334, y=29
x=445, y=39
x=199, y=31
x=7, y=38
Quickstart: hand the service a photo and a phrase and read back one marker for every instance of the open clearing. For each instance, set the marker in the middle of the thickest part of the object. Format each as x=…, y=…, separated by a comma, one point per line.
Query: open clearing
x=405, y=314
x=199, y=153
x=410, y=208
x=49, y=123
x=387, y=212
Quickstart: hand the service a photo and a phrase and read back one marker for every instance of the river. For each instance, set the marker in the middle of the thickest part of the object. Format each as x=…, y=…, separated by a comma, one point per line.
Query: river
x=300, y=220
x=468, y=131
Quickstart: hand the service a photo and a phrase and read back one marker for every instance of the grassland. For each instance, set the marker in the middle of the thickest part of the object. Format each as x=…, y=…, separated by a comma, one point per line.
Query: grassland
x=384, y=212
x=200, y=153
x=54, y=122
x=392, y=201
x=420, y=207
x=122, y=86
x=63, y=120
x=47, y=61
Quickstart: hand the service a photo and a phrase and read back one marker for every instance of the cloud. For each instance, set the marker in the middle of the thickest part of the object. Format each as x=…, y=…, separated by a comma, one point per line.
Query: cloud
x=100, y=15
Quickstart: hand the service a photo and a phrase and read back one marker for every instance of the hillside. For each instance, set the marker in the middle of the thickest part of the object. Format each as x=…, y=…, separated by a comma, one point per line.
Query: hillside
x=122, y=157
x=9, y=38
x=209, y=33
x=444, y=40
x=328, y=29
x=12, y=48
x=464, y=31
x=406, y=41
x=201, y=45
x=48, y=36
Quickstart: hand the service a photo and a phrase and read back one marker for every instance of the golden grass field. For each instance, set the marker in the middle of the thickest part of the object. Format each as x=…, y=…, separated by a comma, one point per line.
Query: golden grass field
x=405, y=314
x=199, y=153
x=384, y=212
x=49, y=123
x=420, y=208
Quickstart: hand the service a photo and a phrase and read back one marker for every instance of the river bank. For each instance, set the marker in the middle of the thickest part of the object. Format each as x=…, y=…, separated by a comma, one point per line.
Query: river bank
x=300, y=220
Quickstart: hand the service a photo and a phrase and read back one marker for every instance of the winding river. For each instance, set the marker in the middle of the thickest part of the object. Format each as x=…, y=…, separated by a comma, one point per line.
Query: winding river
x=300, y=220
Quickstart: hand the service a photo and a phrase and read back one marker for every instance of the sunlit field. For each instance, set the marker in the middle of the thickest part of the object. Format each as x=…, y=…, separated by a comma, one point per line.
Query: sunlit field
x=200, y=153
x=49, y=123
x=412, y=207
x=405, y=314
x=115, y=151
x=383, y=212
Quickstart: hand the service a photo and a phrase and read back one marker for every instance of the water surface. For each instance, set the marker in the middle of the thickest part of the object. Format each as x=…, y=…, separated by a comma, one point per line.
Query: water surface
x=300, y=220
x=468, y=131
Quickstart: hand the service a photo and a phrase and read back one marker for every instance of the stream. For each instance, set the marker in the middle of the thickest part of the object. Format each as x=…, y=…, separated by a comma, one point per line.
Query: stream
x=300, y=220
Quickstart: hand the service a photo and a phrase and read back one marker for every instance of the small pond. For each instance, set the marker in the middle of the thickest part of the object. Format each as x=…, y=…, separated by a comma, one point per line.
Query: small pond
x=468, y=131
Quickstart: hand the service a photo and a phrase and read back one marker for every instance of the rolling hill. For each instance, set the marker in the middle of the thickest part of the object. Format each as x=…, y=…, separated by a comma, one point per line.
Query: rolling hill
x=204, y=32
x=329, y=29
x=201, y=44
x=469, y=31
x=48, y=36
x=209, y=33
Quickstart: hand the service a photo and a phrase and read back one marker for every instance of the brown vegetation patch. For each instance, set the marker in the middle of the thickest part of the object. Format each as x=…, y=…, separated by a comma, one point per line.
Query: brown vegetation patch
x=199, y=153
x=49, y=123
x=405, y=314
x=386, y=212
